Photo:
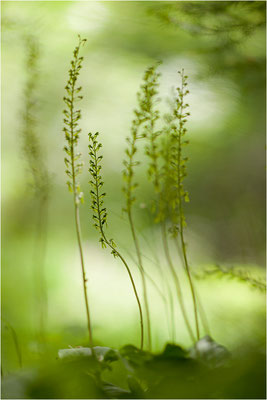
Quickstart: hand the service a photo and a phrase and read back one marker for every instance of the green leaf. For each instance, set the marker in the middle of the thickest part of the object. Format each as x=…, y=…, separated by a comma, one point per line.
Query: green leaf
x=172, y=351
x=115, y=392
x=111, y=355
x=135, y=388
x=186, y=197
x=135, y=356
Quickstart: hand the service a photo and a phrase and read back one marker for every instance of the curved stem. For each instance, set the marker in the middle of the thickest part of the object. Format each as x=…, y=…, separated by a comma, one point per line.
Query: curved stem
x=134, y=287
x=202, y=313
x=118, y=254
x=176, y=280
x=169, y=315
x=189, y=279
x=129, y=213
x=166, y=288
x=15, y=339
x=161, y=294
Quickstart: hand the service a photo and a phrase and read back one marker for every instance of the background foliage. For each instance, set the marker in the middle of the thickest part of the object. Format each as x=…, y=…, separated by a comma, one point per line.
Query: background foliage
x=221, y=46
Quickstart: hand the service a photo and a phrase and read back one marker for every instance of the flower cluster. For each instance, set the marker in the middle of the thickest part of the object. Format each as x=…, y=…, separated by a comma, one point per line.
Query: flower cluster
x=178, y=162
x=71, y=129
x=97, y=195
x=173, y=170
x=142, y=126
x=99, y=212
x=150, y=92
x=31, y=143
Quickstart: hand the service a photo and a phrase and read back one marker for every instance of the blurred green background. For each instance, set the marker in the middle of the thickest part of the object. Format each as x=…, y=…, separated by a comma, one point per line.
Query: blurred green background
x=221, y=46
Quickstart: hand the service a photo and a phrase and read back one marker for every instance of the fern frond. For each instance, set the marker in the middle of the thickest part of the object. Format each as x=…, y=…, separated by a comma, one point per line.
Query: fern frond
x=237, y=273
x=142, y=126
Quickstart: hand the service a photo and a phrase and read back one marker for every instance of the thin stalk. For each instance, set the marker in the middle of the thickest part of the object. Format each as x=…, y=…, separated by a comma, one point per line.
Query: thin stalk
x=136, y=243
x=39, y=262
x=176, y=279
x=202, y=314
x=40, y=180
x=97, y=203
x=133, y=285
x=76, y=209
x=143, y=114
x=169, y=313
x=150, y=114
x=16, y=342
x=189, y=278
x=184, y=246
x=161, y=294
x=173, y=336
x=78, y=232
x=170, y=321
x=180, y=176
x=129, y=213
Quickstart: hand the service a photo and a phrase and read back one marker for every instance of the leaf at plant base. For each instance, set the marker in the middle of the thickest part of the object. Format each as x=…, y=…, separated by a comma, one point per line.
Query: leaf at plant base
x=102, y=353
x=135, y=387
x=115, y=392
x=172, y=351
x=134, y=357
x=14, y=386
x=105, y=353
x=111, y=355
x=71, y=379
x=209, y=352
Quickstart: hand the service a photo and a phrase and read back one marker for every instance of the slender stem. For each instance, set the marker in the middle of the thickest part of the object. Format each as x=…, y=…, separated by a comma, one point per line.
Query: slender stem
x=129, y=213
x=190, y=279
x=15, y=339
x=78, y=231
x=172, y=316
x=185, y=258
x=136, y=244
x=166, y=289
x=77, y=217
x=202, y=313
x=39, y=258
x=176, y=279
x=134, y=288
x=170, y=324
x=161, y=294
x=118, y=254
x=181, y=214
